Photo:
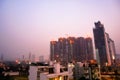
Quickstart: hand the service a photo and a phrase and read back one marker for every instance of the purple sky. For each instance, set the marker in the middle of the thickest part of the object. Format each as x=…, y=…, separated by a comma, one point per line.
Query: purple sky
x=29, y=25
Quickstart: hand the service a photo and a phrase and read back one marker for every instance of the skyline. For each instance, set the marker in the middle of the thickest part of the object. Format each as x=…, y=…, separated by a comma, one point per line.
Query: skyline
x=29, y=26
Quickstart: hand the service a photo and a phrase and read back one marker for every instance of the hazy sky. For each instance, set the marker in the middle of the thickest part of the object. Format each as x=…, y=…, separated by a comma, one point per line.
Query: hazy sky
x=29, y=25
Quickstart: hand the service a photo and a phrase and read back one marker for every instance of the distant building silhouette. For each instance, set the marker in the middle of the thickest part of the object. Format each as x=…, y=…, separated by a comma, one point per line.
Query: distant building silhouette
x=2, y=57
x=41, y=58
x=29, y=57
x=71, y=49
x=104, y=44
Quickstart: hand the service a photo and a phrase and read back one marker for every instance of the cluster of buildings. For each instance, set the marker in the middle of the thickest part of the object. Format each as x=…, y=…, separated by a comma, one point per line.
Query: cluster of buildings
x=80, y=49
x=73, y=57
x=71, y=49
x=55, y=71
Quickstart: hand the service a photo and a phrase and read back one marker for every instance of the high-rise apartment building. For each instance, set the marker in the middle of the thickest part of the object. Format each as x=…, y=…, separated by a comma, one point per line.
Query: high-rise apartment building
x=81, y=48
x=104, y=44
x=89, y=47
x=71, y=49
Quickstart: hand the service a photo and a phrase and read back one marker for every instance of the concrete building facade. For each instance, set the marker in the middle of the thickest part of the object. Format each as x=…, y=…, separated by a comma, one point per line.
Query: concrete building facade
x=50, y=72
